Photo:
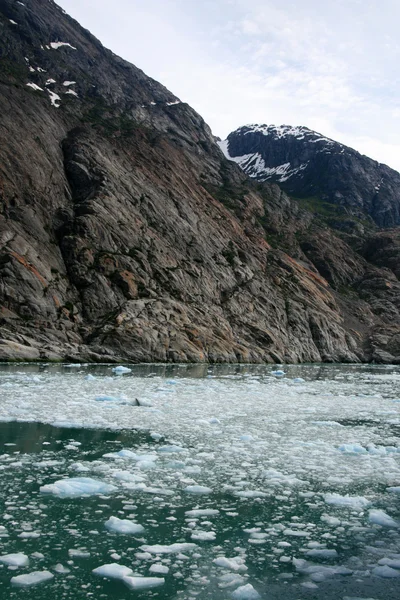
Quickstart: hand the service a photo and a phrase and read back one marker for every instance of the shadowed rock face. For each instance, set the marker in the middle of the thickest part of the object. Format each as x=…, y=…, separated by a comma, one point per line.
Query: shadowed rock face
x=126, y=235
x=310, y=166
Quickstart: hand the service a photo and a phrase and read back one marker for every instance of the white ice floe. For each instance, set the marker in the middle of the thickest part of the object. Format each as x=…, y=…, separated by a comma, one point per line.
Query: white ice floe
x=236, y=563
x=250, y=494
x=159, y=568
x=197, y=489
x=394, y=490
x=68, y=83
x=120, y=370
x=245, y=592
x=13, y=22
x=112, y=571
x=171, y=549
x=319, y=573
x=123, y=526
x=202, y=512
x=321, y=553
x=204, y=536
x=385, y=572
x=143, y=583
x=76, y=553
x=77, y=486
x=355, y=502
x=33, y=578
x=72, y=93
x=379, y=517
x=15, y=560
x=170, y=449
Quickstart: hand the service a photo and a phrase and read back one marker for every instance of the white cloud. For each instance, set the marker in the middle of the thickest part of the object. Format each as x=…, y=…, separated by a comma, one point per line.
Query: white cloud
x=330, y=66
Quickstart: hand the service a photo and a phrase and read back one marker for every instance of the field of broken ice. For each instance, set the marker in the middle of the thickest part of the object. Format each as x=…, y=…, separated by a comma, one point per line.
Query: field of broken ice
x=183, y=482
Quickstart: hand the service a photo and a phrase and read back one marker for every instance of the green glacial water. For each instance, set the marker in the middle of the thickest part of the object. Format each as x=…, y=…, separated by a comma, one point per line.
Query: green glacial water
x=246, y=483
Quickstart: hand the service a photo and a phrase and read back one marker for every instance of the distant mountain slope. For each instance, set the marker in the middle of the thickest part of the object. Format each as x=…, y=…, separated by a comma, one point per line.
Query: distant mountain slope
x=125, y=234
x=308, y=165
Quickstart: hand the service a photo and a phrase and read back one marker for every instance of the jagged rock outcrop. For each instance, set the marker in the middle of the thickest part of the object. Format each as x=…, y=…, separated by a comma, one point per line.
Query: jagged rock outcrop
x=126, y=235
x=330, y=177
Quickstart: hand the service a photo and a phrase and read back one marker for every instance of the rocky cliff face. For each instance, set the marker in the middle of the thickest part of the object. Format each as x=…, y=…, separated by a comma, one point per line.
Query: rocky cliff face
x=126, y=235
x=309, y=166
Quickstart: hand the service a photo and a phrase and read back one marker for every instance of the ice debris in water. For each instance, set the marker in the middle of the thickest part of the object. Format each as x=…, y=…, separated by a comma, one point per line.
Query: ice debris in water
x=90, y=377
x=113, y=571
x=31, y=578
x=278, y=373
x=394, y=490
x=159, y=568
x=77, y=486
x=356, y=502
x=143, y=583
x=233, y=564
x=171, y=549
x=123, y=526
x=379, y=517
x=120, y=370
x=200, y=512
x=15, y=560
x=197, y=489
x=245, y=592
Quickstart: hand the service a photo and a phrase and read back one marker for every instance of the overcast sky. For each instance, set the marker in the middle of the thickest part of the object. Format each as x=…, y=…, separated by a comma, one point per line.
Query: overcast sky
x=332, y=66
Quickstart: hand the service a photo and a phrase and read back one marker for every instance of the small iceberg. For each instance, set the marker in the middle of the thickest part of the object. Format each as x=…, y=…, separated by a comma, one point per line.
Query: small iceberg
x=113, y=571
x=120, y=370
x=143, y=583
x=123, y=526
x=76, y=487
x=31, y=578
x=15, y=560
x=278, y=373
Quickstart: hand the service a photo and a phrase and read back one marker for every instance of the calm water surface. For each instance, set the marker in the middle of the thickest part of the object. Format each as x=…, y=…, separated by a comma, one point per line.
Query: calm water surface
x=298, y=475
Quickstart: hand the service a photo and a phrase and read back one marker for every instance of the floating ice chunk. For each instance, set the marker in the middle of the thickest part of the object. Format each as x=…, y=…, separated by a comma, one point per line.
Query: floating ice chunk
x=13, y=22
x=171, y=549
x=31, y=578
x=35, y=87
x=15, y=560
x=356, y=502
x=200, y=512
x=390, y=562
x=245, y=592
x=127, y=476
x=299, y=380
x=123, y=526
x=75, y=553
x=29, y=534
x=197, y=489
x=159, y=568
x=90, y=378
x=318, y=572
x=112, y=571
x=296, y=533
x=246, y=438
x=379, y=517
x=107, y=399
x=233, y=564
x=79, y=467
x=394, y=490
x=278, y=373
x=56, y=45
x=230, y=580
x=77, y=486
x=59, y=568
x=331, y=521
x=120, y=370
x=386, y=572
x=143, y=583
x=68, y=83
x=204, y=536
x=168, y=449
x=50, y=81
x=352, y=449
x=250, y=494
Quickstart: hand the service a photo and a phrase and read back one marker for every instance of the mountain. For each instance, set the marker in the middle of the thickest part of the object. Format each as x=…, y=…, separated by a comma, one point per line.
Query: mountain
x=125, y=234
x=312, y=167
